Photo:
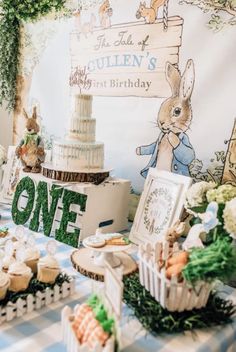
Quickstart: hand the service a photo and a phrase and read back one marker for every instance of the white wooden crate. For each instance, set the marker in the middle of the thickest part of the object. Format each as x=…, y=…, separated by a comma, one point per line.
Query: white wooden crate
x=171, y=294
x=107, y=205
x=70, y=339
x=110, y=294
x=35, y=302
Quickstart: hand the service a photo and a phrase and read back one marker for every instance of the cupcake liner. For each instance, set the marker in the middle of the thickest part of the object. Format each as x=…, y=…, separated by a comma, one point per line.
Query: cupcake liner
x=32, y=264
x=3, y=290
x=47, y=275
x=19, y=282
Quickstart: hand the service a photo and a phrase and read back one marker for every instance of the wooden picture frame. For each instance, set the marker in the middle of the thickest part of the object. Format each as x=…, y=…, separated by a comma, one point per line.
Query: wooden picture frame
x=12, y=173
x=11, y=176
x=161, y=204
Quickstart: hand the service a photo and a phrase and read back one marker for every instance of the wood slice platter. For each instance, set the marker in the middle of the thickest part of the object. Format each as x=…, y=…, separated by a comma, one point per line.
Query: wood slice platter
x=91, y=176
x=82, y=261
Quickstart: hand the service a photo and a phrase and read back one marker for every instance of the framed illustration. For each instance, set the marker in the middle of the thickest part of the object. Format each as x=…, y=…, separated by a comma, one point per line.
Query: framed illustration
x=161, y=204
x=11, y=176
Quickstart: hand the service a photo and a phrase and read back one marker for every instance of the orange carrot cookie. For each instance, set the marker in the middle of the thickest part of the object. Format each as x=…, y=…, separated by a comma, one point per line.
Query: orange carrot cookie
x=3, y=232
x=117, y=241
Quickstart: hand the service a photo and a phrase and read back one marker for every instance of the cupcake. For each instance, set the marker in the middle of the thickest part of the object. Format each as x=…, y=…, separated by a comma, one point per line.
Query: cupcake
x=4, y=284
x=6, y=262
x=48, y=269
x=16, y=246
x=32, y=256
x=20, y=275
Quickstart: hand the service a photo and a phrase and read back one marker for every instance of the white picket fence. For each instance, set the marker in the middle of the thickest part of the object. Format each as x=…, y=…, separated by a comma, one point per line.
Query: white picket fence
x=35, y=302
x=70, y=339
x=171, y=294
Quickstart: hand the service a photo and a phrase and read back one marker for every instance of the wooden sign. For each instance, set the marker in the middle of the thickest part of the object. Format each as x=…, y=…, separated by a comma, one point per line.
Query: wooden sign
x=229, y=174
x=125, y=59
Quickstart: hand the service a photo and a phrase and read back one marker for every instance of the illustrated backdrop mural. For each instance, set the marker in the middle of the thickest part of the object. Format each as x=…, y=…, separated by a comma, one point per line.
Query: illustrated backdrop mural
x=148, y=112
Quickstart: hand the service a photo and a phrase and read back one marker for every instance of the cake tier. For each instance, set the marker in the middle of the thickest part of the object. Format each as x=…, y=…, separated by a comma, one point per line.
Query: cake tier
x=82, y=129
x=74, y=156
x=83, y=106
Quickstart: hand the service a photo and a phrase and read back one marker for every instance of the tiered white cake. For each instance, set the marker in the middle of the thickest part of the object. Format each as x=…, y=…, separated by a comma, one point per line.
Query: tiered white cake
x=79, y=151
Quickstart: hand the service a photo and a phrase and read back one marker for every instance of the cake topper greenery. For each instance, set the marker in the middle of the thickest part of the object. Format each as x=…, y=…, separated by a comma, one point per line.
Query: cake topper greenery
x=13, y=14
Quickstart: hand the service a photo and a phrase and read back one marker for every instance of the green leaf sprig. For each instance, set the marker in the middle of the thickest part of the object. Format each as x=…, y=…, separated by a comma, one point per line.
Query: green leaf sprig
x=12, y=14
x=215, y=262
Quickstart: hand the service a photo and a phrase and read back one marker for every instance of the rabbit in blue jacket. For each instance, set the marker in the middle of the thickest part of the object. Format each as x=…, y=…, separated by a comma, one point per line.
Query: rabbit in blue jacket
x=173, y=151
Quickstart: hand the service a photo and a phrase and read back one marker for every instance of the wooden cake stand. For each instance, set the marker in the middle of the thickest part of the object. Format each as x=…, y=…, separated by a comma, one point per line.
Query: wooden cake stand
x=90, y=261
x=95, y=176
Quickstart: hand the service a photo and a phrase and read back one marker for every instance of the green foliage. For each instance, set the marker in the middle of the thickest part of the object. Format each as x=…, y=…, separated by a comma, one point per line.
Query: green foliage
x=69, y=198
x=20, y=217
x=42, y=205
x=217, y=261
x=223, y=12
x=158, y=320
x=100, y=313
x=13, y=13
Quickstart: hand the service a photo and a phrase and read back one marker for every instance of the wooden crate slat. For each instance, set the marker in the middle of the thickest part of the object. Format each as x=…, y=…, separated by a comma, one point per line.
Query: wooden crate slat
x=171, y=294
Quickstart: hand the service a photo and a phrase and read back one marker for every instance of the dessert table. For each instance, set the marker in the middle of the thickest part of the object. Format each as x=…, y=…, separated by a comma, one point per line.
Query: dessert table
x=41, y=331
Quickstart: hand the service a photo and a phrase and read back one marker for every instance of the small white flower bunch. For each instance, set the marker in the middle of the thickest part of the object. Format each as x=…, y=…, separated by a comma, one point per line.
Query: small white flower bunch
x=229, y=216
x=222, y=194
x=196, y=194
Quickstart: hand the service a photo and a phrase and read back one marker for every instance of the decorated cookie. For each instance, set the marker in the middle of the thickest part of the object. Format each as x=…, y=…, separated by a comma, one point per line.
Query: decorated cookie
x=3, y=232
x=120, y=241
x=110, y=236
x=95, y=241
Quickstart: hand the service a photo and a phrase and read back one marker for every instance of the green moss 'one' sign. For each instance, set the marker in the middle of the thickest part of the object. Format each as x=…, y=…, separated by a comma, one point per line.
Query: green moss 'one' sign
x=39, y=200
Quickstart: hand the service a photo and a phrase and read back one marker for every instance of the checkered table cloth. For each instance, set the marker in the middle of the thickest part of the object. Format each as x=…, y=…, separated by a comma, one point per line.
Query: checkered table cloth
x=41, y=330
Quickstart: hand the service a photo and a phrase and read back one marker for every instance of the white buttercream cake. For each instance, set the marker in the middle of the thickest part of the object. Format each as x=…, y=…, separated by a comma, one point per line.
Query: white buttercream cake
x=79, y=151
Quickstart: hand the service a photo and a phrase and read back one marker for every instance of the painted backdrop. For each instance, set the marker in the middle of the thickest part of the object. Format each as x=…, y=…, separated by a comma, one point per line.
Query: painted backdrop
x=177, y=119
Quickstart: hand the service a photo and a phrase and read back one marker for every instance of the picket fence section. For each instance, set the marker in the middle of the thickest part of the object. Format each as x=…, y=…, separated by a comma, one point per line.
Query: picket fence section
x=171, y=294
x=37, y=301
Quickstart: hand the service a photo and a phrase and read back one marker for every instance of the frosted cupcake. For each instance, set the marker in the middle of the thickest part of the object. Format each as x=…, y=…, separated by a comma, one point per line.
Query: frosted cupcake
x=32, y=256
x=16, y=246
x=6, y=262
x=48, y=269
x=20, y=275
x=4, y=284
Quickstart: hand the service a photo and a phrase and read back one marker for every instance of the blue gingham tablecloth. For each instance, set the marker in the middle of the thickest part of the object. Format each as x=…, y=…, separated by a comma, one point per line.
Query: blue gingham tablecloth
x=41, y=330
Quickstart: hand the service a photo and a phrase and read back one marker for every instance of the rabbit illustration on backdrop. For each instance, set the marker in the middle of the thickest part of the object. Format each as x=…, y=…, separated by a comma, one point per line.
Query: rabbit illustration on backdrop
x=173, y=151
x=31, y=147
x=105, y=12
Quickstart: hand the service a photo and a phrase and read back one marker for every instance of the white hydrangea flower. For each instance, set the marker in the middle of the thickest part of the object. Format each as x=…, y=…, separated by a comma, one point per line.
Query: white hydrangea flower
x=196, y=194
x=230, y=217
x=3, y=155
x=222, y=194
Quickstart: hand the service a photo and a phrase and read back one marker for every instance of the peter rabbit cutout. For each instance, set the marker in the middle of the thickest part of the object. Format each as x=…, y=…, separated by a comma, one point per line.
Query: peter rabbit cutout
x=172, y=151
x=31, y=148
